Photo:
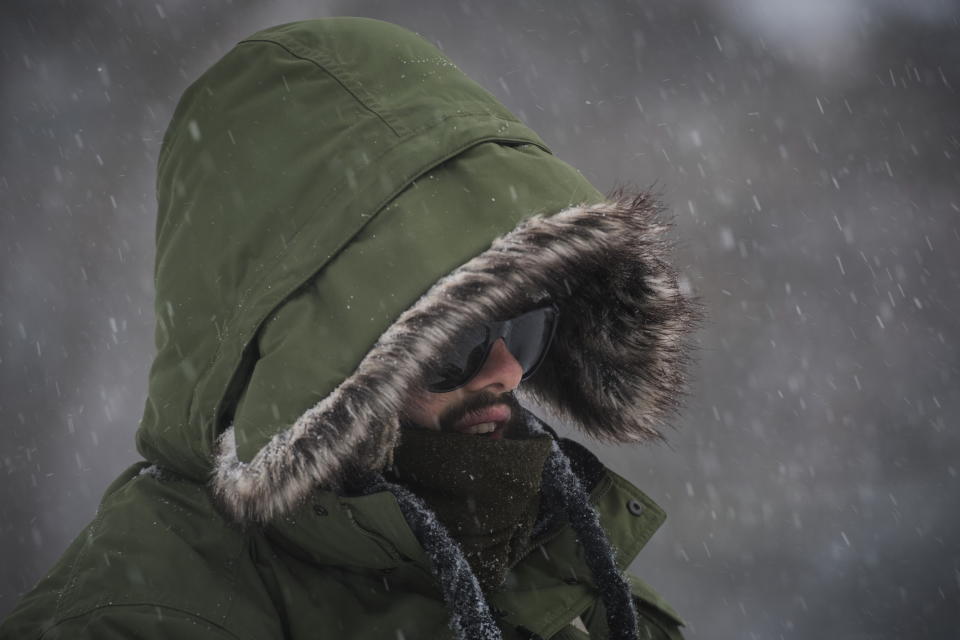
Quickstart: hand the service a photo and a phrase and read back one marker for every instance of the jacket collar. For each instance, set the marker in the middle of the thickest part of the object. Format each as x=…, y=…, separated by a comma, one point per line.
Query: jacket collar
x=555, y=569
x=370, y=532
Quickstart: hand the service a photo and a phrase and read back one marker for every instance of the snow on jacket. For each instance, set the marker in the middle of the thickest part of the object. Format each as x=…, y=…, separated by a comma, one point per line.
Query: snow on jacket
x=336, y=198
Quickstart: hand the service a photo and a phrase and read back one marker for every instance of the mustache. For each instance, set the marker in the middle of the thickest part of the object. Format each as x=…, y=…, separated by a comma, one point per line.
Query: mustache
x=473, y=404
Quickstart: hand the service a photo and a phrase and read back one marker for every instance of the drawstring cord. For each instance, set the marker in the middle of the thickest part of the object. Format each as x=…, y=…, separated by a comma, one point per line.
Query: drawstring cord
x=470, y=615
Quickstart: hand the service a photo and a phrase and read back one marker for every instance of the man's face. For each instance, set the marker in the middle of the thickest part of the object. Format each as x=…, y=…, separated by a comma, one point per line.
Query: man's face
x=484, y=407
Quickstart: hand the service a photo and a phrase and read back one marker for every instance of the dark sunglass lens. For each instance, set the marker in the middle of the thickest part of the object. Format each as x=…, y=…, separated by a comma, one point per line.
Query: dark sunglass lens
x=462, y=358
x=529, y=337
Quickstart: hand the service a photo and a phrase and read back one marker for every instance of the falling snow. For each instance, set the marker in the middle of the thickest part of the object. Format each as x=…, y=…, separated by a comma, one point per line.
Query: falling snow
x=809, y=153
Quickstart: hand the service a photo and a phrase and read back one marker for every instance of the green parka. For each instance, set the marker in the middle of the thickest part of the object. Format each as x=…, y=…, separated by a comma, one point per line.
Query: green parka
x=335, y=199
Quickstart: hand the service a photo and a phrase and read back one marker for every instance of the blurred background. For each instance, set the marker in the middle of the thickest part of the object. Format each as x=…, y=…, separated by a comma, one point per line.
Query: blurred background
x=810, y=152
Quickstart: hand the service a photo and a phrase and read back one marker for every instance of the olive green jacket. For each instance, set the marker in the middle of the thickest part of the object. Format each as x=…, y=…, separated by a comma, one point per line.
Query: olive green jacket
x=335, y=199
x=158, y=561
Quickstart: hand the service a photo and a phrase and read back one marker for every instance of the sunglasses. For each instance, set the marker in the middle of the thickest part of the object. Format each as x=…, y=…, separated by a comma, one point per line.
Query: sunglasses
x=527, y=336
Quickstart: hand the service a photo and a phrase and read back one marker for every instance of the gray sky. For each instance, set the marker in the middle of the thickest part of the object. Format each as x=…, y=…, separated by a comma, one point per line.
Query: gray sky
x=809, y=152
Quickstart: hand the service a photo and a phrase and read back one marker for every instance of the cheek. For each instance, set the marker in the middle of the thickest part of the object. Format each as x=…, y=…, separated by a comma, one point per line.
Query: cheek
x=424, y=410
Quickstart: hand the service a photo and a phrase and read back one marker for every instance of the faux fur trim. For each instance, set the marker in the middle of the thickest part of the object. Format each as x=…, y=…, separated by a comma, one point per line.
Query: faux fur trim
x=616, y=368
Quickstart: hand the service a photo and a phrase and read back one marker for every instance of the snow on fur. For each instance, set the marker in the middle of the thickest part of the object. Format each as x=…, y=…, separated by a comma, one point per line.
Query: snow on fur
x=616, y=368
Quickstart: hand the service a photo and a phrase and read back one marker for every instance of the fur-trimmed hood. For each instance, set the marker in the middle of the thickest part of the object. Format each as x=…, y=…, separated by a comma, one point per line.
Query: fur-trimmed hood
x=336, y=199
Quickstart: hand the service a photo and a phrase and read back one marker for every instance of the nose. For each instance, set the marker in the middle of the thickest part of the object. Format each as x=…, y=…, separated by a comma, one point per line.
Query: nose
x=500, y=373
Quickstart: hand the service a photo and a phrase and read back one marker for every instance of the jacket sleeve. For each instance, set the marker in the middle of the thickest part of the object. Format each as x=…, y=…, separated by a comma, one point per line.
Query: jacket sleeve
x=129, y=622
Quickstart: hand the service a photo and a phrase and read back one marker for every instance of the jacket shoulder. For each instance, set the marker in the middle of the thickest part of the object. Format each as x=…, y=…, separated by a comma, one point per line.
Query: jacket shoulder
x=156, y=552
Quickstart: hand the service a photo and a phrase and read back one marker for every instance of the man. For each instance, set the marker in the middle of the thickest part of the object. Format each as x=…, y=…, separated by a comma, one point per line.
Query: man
x=363, y=260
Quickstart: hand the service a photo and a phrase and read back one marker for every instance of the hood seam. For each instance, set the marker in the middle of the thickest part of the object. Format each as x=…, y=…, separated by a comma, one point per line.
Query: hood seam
x=203, y=379
x=369, y=103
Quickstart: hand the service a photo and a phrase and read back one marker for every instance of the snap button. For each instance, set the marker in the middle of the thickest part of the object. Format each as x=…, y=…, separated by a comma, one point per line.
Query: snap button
x=635, y=507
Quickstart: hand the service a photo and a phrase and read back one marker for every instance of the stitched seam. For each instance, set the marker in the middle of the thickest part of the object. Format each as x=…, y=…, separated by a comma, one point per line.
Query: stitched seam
x=309, y=55
x=137, y=604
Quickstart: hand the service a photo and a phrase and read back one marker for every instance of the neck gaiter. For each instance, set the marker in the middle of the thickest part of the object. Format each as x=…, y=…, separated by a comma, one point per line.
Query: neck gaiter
x=486, y=492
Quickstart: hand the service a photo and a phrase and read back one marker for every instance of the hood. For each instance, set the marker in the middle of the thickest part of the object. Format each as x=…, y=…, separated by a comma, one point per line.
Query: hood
x=336, y=198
